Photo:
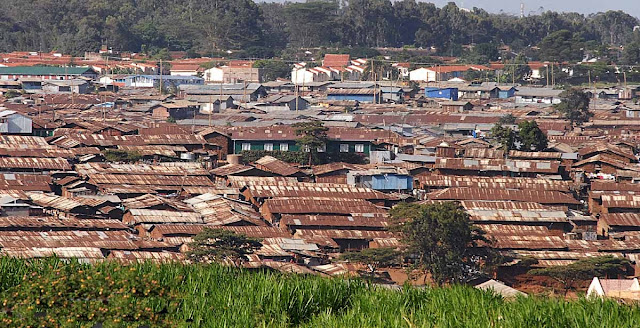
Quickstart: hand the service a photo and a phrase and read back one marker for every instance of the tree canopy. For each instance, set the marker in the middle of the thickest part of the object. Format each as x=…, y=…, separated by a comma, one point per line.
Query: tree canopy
x=442, y=239
x=373, y=258
x=213, y=27
x=575, y=106
x=585, y=269
x=312, y=137
x=219, y=245
x=530, y=137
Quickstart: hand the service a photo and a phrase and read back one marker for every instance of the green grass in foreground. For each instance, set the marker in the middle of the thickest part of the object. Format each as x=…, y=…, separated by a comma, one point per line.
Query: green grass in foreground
x=50, y=293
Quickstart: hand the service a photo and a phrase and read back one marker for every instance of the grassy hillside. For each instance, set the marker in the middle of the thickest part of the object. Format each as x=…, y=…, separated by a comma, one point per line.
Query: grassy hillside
x=53, y=294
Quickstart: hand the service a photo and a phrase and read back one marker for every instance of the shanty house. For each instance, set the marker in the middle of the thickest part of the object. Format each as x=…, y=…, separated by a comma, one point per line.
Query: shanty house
x=77, y=86
x=282, y=103
x=360, y=95
x=442, y=93
x=12, y=122
x=527, y=95
x=382, y=179
x=179, y=109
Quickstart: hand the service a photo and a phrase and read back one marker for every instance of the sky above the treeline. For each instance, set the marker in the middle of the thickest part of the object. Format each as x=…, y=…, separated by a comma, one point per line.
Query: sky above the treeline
x=535, y=7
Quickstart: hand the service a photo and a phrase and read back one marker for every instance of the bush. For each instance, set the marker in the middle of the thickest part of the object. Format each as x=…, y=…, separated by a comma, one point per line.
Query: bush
x=117, y=155
x=51, y=293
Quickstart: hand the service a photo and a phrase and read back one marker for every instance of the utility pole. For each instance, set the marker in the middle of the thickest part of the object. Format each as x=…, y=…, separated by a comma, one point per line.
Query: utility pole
x=210, y=108
x=547, y=71
x=296, y=96
x=553, y=80
x=161, y=76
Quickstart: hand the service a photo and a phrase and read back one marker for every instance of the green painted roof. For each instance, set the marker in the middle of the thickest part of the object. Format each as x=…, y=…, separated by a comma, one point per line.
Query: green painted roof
x=44, y=70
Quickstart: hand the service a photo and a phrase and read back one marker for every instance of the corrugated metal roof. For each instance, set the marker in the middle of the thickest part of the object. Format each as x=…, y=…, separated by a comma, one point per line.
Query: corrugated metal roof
x=149, y=180
x=87, y=253
x=136, y=216
x=59, y=164
x=621, y=219
x=241, y=181
x=493, y=182
x=302, y=190
x=540, y=196
x=334, y=221
x=320, y=206
x=518, y=216
x=50, y=223
x=344, y=234
x=498, y=165
x=274, y=165
x=140, y=169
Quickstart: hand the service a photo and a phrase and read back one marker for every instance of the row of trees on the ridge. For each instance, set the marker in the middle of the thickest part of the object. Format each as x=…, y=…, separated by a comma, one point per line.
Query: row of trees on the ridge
x=265, y=29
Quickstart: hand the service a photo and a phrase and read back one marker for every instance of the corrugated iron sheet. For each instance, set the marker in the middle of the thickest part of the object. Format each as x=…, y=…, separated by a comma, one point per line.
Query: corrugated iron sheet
x=320, y=206
x=539, y=196
x=136, y=216
x=34, y=163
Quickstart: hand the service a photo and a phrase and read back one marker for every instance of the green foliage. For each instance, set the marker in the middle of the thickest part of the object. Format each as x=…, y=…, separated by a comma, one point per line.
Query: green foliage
x=273, y=69
x=11, y=94
x=504, y=136
x=575, y=106
x=631, y=53
x=585, y=269
x=561, y=45
x=219, y=245
x=508, y=119
x=442, y=238
x=530, y=136
x=312, y=136
x=482, y=53
x=171, y=119
x=122, y=156
x=373, y=258
x=177, y=295
x=263, y=29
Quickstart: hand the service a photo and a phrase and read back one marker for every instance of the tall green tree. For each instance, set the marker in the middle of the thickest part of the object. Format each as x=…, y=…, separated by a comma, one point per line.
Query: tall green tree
x=575, y=106
x=530, y=137
x=312, y=137
x=561, y=46
x=442, y=239
x=503, y=136
x=273, y=69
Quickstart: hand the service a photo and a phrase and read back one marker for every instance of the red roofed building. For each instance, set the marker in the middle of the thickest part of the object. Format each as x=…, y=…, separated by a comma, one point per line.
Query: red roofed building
x=334, y=60
x=185, y=69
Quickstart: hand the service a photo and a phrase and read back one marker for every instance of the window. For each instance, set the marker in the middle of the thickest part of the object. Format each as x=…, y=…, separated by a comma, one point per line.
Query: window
x=246, y=146
x=322, y=149
x=268, y=147
x=359, y=148
x=344, y=148
x=284, y=147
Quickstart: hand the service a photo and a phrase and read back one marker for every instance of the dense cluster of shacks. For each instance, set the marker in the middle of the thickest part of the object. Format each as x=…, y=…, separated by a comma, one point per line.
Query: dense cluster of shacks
x=63, y=193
